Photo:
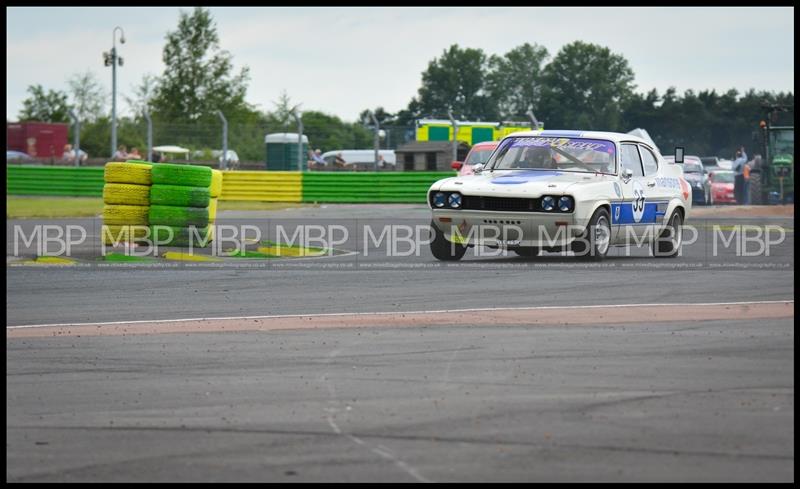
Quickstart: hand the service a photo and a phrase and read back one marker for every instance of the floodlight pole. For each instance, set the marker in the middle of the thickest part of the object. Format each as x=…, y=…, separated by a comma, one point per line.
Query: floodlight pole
x=377, y=137
x=77, y=146
x=149, y=134
x=455, y=134
x=299, y=139
x=223, y=164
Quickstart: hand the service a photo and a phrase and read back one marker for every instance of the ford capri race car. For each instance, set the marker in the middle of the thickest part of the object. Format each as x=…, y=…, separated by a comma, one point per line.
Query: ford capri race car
x=563, y=191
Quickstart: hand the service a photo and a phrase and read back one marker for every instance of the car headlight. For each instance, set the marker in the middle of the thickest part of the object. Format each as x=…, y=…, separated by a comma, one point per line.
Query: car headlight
x=565, y=204
x=548, y=203
x=439, y=199
x=454, y=200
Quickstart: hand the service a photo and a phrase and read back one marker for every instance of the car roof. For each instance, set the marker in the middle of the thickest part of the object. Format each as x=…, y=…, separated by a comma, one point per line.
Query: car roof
x=612, y=136
x=486, y=144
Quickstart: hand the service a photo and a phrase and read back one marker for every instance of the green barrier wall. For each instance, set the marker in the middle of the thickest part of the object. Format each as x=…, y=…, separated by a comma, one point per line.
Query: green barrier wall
x=54, y=180
x=345, y=187
x=399, y=187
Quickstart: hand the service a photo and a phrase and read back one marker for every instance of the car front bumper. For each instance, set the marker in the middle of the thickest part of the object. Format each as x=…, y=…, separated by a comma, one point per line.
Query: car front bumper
x=508, y=229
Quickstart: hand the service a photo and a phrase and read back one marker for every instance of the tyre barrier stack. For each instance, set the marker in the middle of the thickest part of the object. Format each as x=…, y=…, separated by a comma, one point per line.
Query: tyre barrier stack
x=180, y=197
x=126, y=199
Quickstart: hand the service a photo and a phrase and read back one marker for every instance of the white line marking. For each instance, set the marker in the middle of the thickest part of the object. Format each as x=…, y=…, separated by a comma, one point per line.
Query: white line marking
x=391, y=313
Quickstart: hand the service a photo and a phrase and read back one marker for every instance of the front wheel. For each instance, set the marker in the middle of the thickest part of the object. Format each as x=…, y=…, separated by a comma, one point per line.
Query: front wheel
x=593, y=244
x=445, y=250
x=668, y=243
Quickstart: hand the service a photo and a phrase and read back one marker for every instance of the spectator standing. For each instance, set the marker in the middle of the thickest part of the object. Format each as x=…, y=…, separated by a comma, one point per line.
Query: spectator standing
x=738, y=169
x=746, y=187
x=134, y=154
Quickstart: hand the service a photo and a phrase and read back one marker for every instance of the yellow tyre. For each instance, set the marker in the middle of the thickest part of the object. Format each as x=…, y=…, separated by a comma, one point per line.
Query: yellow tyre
x=123, y=234
x=216, y=183
x=212, y=210
x=126, y=214
x=136, y=173
x=126, y=194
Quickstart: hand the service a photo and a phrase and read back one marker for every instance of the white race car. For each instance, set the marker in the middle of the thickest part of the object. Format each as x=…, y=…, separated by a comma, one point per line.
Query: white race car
x=563, y=191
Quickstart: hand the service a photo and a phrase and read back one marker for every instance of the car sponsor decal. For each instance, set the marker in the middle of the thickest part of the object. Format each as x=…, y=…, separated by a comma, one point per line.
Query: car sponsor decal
x=525, y=177
x=638, y=202
x=617, y=190
x=623, y=213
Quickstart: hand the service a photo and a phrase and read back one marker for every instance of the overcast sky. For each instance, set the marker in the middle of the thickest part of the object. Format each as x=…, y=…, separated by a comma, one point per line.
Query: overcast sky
x=341, y=60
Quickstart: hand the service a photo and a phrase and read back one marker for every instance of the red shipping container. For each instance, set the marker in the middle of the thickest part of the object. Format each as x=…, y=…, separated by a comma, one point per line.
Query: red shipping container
x=38, y=139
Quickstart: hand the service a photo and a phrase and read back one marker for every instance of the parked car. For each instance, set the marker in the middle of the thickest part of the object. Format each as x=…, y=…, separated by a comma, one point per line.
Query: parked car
x=561, y=191
x=360, y=157
x=17, y=156
x=478, y=155
x=721, y=187
x=697, y=175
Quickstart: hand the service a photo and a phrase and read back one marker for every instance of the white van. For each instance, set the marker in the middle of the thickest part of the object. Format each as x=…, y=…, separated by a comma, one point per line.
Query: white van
x=359, y=156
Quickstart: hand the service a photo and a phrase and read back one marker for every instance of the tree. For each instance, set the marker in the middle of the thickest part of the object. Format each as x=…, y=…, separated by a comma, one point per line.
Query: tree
x=199, y=78
x=515, y=79
x=383, y=117
x=456, y=81
x=44, y=107
x=328, y=132
x=143, y=95
x=88, y=96
x=283, y=115
x=584, y=87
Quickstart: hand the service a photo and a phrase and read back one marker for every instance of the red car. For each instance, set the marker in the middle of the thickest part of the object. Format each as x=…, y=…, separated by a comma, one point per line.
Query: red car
x=478, y=154
x=721, y=187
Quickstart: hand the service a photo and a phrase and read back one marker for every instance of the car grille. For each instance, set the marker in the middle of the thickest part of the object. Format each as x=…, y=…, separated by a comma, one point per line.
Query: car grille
x=506, y=204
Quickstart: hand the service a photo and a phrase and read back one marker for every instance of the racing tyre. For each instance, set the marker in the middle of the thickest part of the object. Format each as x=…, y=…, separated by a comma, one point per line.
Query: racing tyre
x=216, y=183
x=184, y=175
x=756, y=196
x=136, y=173
x=445, y=250
x=181, y=236
x=123, y=234
x=179, y=216
x=594, y=243
x=527, y=252
x=668, y=243
x=180, y=196
x=126, y=194
x=126, y=214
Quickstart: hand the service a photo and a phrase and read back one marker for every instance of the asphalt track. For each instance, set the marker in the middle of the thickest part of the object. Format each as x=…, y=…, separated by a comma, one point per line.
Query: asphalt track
x=671, y=395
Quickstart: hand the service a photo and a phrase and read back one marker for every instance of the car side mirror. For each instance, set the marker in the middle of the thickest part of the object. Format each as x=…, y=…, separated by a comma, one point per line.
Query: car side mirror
x=477, y=168
x=456, y=165
x=627, y=174
x=678, y=154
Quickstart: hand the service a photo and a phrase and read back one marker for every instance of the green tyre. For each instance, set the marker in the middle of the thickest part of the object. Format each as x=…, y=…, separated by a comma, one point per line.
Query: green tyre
x=184, y=175
x=179, y=216
x=176, y=195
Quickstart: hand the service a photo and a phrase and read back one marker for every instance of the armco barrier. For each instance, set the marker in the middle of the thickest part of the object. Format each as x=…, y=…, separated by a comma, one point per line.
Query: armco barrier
x=54, y=180
x=267, y=186
x=398, y=187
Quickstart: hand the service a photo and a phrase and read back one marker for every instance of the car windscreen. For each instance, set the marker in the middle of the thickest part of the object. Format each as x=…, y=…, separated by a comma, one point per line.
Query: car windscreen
x=691, y=167
x=479, y=156
x=723, y=177
x=555, y=153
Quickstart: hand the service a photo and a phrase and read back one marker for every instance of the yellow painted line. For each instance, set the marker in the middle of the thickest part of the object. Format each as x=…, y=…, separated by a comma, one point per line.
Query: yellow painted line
x=180, y=256
x=49, y=260
x=289, y=251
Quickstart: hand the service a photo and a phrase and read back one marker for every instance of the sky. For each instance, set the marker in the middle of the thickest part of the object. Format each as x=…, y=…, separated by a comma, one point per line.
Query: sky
x=342, y=60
